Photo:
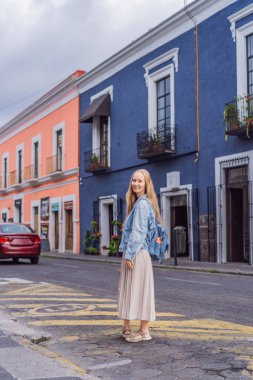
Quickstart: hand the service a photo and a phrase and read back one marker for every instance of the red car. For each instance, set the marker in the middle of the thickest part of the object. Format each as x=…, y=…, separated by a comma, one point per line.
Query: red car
x=19, y=241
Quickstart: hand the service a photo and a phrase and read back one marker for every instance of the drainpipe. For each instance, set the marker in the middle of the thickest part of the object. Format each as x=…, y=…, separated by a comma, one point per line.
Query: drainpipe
x=196, y=77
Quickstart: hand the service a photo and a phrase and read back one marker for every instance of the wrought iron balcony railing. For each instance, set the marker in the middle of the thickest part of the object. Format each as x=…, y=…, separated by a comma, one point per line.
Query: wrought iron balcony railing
x=54, y=164
x=96, y=160
x=157, y=141
x=238, y=117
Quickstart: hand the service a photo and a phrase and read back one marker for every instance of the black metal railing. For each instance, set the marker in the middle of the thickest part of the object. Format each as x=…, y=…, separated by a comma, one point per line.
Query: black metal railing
x=156, y=141
x=96, y=160
x=238, y=115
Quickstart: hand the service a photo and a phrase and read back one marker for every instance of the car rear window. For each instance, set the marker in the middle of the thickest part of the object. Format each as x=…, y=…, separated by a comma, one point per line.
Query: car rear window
x=15, y=229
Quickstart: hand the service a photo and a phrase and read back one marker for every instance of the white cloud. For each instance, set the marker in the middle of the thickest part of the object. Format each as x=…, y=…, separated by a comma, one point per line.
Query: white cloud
x=44, y=41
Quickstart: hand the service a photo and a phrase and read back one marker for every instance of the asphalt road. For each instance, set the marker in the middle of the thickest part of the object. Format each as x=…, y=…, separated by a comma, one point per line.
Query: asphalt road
x=204, y=327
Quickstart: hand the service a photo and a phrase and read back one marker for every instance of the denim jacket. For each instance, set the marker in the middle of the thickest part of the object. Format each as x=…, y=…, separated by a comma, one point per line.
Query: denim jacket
x=138, y=229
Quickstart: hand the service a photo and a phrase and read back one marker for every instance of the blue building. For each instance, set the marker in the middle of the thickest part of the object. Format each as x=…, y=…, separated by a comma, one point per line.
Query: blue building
x=160, y=104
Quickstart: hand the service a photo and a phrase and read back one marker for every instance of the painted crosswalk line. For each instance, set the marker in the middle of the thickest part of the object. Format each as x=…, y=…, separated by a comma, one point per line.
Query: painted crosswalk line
x=49, y=305
x=13, y=280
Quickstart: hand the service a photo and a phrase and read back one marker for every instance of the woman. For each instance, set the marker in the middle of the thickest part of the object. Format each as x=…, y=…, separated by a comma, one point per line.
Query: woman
x=136, y=289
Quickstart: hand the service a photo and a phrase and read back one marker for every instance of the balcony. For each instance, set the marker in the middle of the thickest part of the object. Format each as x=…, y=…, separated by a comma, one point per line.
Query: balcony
x=54, y=164
x=96, y=160
x=3, y=184
x=31, y=173
x=156, y=142
x=238, y=117
x=13, y=178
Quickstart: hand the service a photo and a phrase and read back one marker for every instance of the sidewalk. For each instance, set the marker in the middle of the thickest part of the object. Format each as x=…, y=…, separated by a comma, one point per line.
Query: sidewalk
x=183, y=263
x=21, y=358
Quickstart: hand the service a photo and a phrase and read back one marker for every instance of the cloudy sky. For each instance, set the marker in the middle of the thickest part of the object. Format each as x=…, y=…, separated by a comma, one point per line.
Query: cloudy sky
x=44, y=41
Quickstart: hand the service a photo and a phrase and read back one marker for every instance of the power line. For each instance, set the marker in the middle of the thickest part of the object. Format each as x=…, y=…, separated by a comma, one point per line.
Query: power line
x=29, y=96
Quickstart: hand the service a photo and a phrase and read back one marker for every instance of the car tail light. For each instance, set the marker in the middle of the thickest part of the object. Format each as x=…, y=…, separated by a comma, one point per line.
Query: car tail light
x=37, y=239
x=3, y=239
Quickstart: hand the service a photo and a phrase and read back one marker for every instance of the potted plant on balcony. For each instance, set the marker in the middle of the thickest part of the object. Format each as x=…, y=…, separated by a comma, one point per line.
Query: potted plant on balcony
x=231, y=116
x=94, y=161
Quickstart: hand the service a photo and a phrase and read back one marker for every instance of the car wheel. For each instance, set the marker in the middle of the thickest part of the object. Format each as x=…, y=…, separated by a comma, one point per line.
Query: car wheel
x=35, y=260
x=15, y=260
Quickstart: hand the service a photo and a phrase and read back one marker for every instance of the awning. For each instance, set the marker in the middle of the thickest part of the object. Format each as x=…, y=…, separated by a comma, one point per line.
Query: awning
x=99, y=107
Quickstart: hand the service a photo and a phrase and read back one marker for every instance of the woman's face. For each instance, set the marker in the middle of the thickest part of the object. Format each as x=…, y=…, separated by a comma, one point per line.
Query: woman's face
x=138, y=184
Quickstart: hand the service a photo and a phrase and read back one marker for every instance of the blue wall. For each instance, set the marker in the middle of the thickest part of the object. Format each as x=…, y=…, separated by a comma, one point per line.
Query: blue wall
x=129, y=115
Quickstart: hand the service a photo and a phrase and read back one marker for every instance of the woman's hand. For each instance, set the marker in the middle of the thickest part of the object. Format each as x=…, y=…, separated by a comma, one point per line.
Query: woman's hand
x=129, y=264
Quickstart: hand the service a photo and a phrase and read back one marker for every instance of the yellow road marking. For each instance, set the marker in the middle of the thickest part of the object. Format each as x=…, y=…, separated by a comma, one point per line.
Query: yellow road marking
x=86, y=312
x=65, y=362
x=45, y=289
x=57, y=299
x=206, y=329
x=35, y=305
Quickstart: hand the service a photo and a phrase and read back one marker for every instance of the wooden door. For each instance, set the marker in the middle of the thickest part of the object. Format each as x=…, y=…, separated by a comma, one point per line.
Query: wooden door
x=36, y=219
x=56, y=230
x=69, y=230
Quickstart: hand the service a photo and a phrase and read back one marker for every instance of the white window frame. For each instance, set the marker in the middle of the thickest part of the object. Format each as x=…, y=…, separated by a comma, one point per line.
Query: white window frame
x=33, y=205
x=241, y=57
x=153, y=77
x=18, y=148
x=96, y=123
x=57, y=128
x=104, y=201
x=166, y=194
x=36, y=139
x=5, y=155
x=60, y=222
x=15, y=214
x=5, y=211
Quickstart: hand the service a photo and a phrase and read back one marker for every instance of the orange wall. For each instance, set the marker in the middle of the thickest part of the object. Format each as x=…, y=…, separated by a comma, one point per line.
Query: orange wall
x=67, y=114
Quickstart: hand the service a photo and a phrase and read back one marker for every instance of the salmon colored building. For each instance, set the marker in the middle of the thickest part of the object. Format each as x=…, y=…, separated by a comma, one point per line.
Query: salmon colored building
x=39, y=153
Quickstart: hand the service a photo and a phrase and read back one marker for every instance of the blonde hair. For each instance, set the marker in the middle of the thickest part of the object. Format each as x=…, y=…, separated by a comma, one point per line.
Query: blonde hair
x=131, y=197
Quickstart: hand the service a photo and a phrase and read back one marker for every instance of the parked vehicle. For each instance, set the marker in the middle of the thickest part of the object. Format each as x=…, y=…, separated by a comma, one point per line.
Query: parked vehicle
x=19, y=241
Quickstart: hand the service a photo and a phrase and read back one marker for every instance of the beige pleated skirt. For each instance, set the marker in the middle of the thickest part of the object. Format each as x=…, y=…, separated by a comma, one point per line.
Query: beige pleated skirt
x=136, y=298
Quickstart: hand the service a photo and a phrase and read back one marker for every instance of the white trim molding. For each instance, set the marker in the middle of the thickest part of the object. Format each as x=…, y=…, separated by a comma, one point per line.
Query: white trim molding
x=171, y=54
x=68, y=198
x=17, y=197
x=34, y=204
x=241, y=57
x=52, y=225
x=238, y=16
x=107, y=90
x=58, y=127
x=152, y=79
x=20, y=147
x=221, y=200
x=104, y=202
x=5, y=211
x=166, y=194
x=5, y=155
x=96, y=124
x=36, y=139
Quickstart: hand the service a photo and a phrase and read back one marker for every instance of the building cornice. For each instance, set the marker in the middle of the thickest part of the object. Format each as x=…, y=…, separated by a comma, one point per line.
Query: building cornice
x=38, y=182
x=52, y=100
x=166, y=31
x=238, y=16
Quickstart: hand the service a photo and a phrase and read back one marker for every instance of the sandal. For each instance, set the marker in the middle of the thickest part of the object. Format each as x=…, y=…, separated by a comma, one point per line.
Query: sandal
x=138, y=337
x=125, y=333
